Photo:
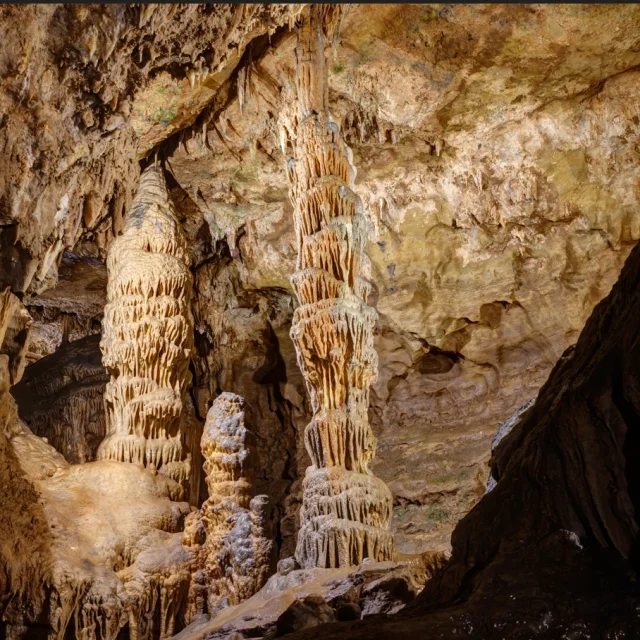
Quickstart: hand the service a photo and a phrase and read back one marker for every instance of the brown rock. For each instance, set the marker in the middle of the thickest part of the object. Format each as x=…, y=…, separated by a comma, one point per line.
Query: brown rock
x=309, y=597
x=552, y=548
x=61, y=398
x=346, y=511
x=497, y=159
x=302, y=614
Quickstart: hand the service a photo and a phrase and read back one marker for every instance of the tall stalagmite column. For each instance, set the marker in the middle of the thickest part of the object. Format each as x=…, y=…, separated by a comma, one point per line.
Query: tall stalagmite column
x=346, y=511
x=148, y=335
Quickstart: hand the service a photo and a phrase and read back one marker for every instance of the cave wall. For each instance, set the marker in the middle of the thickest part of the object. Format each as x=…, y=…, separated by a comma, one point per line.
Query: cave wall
x=497, y=158
x=69, y=148
x=551, y=550
x=502, y=204
x=61, y=398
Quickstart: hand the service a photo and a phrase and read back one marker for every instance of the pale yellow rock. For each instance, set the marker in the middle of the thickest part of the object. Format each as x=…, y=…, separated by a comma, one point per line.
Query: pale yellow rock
x=346, y=511
x=96, y=546
x=148, y=336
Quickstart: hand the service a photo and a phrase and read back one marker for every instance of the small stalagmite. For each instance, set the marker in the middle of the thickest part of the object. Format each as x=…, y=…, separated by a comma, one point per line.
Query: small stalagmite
x=238, y=549
x=346, y=510
x=148, y=335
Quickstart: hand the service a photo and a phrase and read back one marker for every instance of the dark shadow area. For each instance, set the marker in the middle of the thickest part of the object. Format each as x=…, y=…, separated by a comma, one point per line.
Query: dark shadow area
x=552, y=550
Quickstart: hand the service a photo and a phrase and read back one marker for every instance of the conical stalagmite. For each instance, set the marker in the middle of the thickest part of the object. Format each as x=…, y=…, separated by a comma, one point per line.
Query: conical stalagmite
x=148, y=335
x=238, y=549
x=346, y=511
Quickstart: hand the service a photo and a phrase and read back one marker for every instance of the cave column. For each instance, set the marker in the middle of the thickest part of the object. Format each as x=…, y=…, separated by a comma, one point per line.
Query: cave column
x=346, y=510
x=148, y=336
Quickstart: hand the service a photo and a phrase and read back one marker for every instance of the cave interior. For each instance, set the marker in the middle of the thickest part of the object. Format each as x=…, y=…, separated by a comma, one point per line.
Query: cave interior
x=319, y=320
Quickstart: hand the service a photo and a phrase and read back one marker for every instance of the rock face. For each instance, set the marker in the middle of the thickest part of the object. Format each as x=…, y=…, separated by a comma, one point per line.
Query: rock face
x=148, y=336
x=497, y=162
x=90, y=550
x=303, y=598
x=238, y=552
x=479, y=284
x=498, y=171
x=61, y=398
x=346, y=511
x=15, y=324
x=69, y=146
x=70, y=310
x=552, y=549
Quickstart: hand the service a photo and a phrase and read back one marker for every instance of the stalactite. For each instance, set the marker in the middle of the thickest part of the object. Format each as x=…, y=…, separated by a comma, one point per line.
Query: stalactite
x=238, y=549
x=148, y=336
x=346, y=511
x=15, y=323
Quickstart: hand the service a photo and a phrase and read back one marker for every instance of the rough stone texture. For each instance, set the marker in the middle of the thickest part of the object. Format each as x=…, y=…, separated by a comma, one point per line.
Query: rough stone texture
x=238, y=548
x=92, y=547
x=148, y=337
x=497, y=158
x=303, y=614
x=23, y=550
x=552, y=550
x=346, y=511
x=70, y=310
x=15, y=326
x=70, y=78
x=61, y=398
x=479, y=290
x=304, y=598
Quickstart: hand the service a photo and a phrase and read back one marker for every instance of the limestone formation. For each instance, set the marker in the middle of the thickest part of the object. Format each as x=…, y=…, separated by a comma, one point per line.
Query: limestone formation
x=238, y=549
x=346, y=511
x=61, y=398
x=291, y=600
x=148, y=336
x=499, y=166
x=15, y=323
x=86, y=550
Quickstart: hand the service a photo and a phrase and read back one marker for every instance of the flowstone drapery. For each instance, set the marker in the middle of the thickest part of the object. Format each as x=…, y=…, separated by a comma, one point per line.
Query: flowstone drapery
x=238, y=547
x=148, y=335
x=346, y=511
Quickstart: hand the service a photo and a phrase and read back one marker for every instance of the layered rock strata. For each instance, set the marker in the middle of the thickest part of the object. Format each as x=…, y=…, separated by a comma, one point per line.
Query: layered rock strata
x=148, y=336
x=238, y=552
x=346, y=511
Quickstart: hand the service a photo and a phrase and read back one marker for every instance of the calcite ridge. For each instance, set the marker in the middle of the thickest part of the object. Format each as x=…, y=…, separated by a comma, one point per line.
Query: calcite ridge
x=148, y=335
x=346, y=511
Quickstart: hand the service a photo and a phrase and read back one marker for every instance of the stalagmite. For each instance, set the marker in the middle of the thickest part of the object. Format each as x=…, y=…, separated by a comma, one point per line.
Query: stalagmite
x=238, y=550
x=148, y=336
x=346, y=511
